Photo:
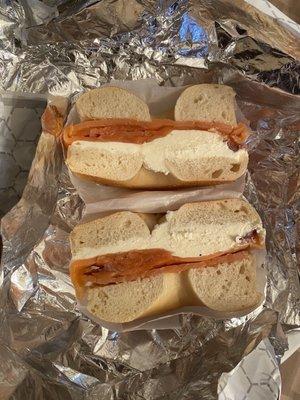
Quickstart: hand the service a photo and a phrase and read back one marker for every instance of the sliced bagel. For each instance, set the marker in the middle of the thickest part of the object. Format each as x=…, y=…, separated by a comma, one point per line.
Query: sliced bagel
x=132, y=300
x=182, y=158
x=196, y=229
x=128, y=265
x=174, y=156
x=226, y=286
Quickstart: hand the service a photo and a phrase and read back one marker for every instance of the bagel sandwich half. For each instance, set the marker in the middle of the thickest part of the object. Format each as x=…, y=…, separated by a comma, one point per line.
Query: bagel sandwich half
x=126, y=266
x=116, y=143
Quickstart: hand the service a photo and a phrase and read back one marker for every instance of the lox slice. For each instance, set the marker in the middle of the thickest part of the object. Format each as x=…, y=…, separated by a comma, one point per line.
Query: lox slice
x=139, y=264
x=138, y=132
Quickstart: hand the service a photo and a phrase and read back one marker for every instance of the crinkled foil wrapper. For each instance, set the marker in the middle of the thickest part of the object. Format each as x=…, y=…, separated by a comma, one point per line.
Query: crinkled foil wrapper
x=48, y=350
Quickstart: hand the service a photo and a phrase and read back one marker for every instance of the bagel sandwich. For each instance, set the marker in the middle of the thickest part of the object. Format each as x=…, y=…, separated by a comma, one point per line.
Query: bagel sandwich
x=118, y=144
x=127, y=265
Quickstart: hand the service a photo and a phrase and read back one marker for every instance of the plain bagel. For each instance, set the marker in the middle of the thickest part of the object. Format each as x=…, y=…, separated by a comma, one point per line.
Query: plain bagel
x=127, y=265
x=117, y=144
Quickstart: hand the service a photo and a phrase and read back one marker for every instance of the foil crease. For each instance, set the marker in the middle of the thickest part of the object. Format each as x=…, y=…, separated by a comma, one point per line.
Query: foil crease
x=48, y=350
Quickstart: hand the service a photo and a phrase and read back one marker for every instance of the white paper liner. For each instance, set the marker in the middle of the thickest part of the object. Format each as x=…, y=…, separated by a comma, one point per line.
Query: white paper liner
x=171, y=319
x=151, y=201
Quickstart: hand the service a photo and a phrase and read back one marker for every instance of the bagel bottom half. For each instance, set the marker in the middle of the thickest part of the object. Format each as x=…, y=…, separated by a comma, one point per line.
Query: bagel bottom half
x=227, y=285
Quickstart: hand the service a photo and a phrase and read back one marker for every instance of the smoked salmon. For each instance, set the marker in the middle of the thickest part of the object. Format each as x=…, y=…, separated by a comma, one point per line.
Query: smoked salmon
x=138, y=132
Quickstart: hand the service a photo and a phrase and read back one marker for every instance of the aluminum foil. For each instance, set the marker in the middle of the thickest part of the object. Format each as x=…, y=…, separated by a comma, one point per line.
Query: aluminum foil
x=48, y=350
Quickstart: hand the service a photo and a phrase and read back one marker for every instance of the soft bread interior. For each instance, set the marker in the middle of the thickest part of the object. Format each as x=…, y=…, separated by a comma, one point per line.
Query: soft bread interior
x=224, y=287
x=203, y=228
x=189, y=156
x=227, y=286
x=200, y=155
x=208, y=102
x=114, y=230
x=111, y=102
x=109, y=160
x=128, y=301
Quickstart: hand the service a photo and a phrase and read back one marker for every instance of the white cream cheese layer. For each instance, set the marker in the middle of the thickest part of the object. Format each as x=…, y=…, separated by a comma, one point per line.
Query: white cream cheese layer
x=186, y=145
x=159, y=154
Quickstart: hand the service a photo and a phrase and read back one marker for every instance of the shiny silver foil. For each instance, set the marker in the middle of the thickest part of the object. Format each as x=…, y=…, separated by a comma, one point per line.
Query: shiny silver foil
x=48, y=350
